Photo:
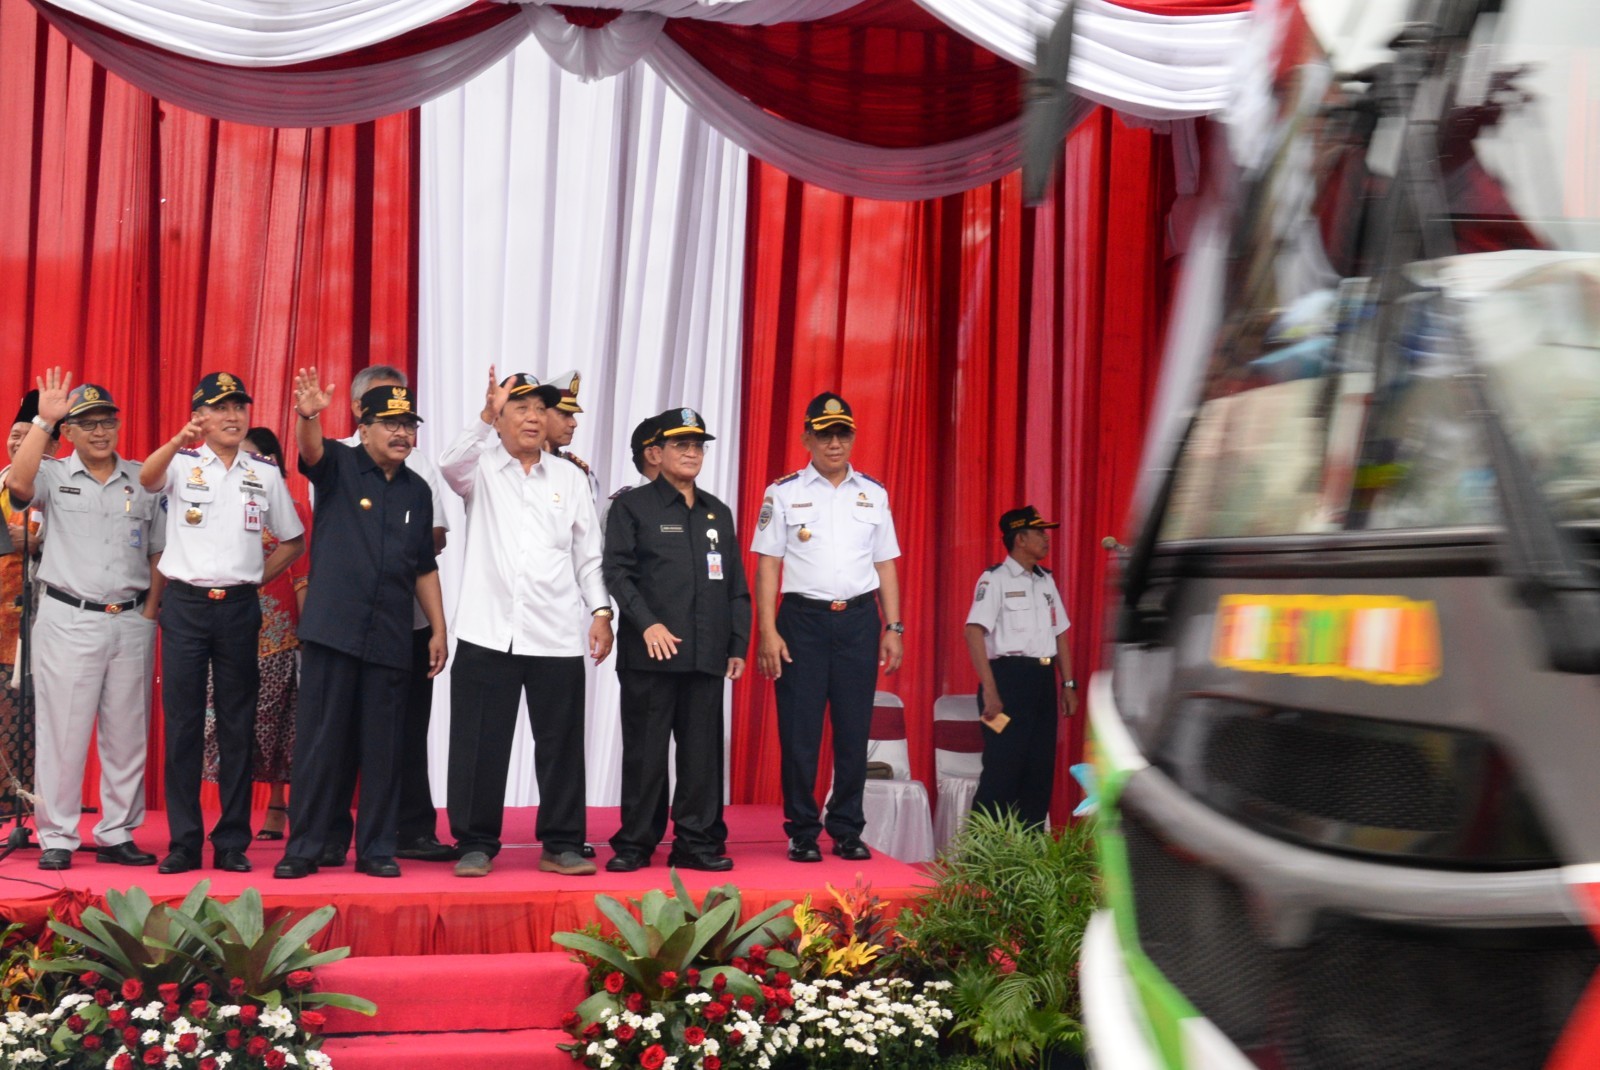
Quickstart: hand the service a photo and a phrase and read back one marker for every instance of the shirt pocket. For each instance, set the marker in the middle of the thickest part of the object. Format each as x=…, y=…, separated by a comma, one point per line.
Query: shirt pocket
x=801, y=516
x=69, y=503
x=1017, y=601
x=562, y=512
x=203, y=494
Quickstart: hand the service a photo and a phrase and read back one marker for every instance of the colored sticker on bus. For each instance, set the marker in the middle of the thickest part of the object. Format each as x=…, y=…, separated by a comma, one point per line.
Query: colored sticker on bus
x=1376, y=639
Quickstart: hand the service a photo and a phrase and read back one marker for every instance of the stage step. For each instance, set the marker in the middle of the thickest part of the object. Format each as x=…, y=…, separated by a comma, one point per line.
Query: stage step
x=521, y=1049
x=455, y=993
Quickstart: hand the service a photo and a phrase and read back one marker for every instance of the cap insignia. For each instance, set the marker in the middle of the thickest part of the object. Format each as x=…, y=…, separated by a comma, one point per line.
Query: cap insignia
x=833, y=406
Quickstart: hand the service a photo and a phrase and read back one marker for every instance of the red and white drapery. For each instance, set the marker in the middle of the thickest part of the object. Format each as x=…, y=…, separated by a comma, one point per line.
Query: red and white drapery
x=975, y=328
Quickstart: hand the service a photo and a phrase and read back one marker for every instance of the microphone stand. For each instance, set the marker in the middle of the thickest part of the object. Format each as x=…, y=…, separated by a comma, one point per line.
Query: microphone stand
x=19, y=837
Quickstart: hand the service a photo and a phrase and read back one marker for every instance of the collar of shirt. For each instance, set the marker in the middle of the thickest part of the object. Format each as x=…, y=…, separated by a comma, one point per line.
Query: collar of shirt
x=75, y=465
x=500, y=457
x=809, y=474
x=1014, y=567
x=667, y=494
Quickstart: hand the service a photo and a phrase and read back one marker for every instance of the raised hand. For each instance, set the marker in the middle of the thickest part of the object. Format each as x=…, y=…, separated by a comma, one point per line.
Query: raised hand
x=310, y=397
x=54, y=386
x=193, y=433
x=495, y=399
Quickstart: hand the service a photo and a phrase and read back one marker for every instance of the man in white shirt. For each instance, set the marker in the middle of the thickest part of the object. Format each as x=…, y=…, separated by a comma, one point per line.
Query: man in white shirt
x=532, y=560
x=418, y=826
x=1017, y=638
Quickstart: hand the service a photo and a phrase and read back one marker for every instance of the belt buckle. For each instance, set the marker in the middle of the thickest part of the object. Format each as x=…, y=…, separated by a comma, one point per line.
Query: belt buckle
x=839, y=605
x=216, y=594
x=1045, y=661
x=114, y=608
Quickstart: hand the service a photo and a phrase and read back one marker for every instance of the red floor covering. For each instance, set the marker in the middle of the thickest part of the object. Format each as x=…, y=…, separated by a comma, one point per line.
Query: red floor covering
x=428, y=910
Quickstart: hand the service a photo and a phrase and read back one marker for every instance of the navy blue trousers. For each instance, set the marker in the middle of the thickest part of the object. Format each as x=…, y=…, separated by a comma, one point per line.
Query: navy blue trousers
x=1019, y=764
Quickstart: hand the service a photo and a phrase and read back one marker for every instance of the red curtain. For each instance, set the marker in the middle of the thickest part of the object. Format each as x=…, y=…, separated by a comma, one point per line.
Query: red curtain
x=994, y=356
x=142, y=245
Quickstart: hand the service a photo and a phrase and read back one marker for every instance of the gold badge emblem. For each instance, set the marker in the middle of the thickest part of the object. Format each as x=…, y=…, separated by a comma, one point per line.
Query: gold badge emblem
x=573, y=388
x=366, y=503
x=833, y=407
x=397, y=391
x=197, y=476
x=227, y=382
x=193, y=514
x=91, y=394
x=805, y=534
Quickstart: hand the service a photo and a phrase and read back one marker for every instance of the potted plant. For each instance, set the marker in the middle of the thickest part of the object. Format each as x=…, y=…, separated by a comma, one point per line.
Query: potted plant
x=1004, y=922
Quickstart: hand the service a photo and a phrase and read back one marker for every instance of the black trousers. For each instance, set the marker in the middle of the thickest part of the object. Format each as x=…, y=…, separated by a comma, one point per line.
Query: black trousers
x=350, y=717
x=656, y=708
x=418, y=817
x=201, y=636
x=835, y=669
x=484, y=688
x=1019, y=764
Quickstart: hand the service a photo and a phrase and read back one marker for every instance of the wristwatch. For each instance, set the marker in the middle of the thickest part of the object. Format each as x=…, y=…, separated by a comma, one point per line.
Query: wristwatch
x=44, y=425
x=897, y=627
x=1069, y=685
x=603, y=612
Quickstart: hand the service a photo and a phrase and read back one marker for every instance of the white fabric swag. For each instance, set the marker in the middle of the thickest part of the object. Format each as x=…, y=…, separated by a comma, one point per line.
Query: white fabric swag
x=598, y=227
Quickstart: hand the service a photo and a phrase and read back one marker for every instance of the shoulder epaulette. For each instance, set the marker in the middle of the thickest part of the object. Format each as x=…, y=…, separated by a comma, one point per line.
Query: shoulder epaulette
x=781, y=480
x=262, y=458
x=619, y=492
x=186, y=452
x=994, y=567
x=869, y=479
x=1041, y=568
x=582, y=464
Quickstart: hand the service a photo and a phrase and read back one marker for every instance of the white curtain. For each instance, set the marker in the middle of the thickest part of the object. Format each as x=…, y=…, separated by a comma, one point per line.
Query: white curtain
x=590, y=226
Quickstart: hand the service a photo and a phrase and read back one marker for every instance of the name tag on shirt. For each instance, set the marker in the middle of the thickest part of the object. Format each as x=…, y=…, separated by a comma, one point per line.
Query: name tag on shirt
x=672, y=529
x=252, y=516
x=714, y=565
x=69, y=490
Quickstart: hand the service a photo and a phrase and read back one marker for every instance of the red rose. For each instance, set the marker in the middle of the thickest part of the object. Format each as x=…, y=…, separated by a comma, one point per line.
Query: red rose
x=741, y=964
x=169, y=1012
x=233, y=1038
x=747, y=1003
x=117, y=1016
x=76, y=1023
x=103, y=997
x=198, y=1009
x=712, y=1063
x=769, y=993
x=785, y=998
x=89, y=978
x=693, y=977
x=772, y=1015
x=123, y=1061
x=758, y=953
x=719, y=982
x=169, y=992
x=783, y=980
x=694, y=1036
x=91, y=1042
x=248, y=1015
x=652, y=1057
x=132, y=988
x=208, y=1063
x=130, y=1036
x=299, y=980
x=274, y=1059
x=311, y=1021
x=624, y=1033
x=614, y=982
x=258, y=1046
x=591, y=1030
x=202, y=991
x=714, y=1011
x=570, y=1020
x=236, y=987
x=636, y=1002
x=155, y=1056
x=735, y=1038
x=668, y=978
x=188, y=1043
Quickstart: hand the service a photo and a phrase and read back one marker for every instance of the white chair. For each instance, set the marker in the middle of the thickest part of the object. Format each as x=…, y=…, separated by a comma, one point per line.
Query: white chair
x=899, y=816
x=957, y=761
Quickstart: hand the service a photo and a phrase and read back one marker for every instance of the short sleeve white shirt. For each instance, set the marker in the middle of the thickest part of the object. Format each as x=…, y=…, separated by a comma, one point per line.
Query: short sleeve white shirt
x=830, y=538
x=208, y=541
x=1020, y=611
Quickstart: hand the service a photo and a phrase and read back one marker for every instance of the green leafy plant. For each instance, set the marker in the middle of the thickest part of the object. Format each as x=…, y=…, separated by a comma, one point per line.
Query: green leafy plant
x=135, y=939
x=1005, y=923
x=854, y=936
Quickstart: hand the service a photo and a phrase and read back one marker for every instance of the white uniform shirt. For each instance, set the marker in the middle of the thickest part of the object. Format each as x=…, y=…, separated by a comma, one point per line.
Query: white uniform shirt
x=533, y=549
x=208, y=544
x=1020, y=612
x=848, y=528
x=419, y=464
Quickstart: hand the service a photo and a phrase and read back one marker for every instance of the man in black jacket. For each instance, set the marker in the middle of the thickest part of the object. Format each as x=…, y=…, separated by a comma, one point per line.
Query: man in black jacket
x=672, y=564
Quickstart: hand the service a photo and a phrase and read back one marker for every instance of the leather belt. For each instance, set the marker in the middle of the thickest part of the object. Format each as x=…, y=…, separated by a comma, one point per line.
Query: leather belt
x=838, y=605
x=1025, y=659
x=214, y=594
x=95, y=607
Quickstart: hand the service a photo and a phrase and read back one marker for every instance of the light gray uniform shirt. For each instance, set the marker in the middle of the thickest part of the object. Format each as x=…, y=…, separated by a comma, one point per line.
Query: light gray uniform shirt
x=101, y=536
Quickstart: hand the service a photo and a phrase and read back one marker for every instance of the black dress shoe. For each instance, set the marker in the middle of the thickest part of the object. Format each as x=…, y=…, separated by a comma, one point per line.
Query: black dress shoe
x=587, y=850
x=852, y=850
x=55, y=858
x=421, y=849
x=710, y=863
x=803, y=850
x=124, y=854
x=179, y=860
x=292, y=869
x=627, y=862
x=378, y=867
x=331, y=857
x=232, y=861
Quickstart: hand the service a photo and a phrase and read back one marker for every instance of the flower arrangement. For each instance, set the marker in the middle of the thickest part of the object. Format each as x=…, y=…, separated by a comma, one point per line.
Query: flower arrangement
x=203, y=985
x=854, y=937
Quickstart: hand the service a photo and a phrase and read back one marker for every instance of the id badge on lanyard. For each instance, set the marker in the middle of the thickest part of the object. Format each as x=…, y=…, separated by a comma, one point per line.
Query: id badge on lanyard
x=713, y=558
x=252, y=515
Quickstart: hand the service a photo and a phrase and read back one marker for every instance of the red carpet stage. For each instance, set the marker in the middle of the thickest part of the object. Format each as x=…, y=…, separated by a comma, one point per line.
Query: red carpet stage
x=429, y=911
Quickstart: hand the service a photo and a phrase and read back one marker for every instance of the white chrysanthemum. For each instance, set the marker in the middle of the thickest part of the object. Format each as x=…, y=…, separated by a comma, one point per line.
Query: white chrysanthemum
x=319, y=1060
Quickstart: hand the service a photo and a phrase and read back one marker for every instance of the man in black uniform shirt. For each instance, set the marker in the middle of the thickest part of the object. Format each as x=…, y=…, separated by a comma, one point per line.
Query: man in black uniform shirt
x=672, y=564
x=372, y=555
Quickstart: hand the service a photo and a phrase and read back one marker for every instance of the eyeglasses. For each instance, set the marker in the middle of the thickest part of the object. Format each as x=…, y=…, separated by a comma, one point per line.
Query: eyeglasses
x=686, y=445
x=110, y=423
x=403, y=426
